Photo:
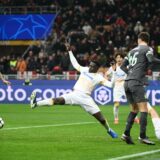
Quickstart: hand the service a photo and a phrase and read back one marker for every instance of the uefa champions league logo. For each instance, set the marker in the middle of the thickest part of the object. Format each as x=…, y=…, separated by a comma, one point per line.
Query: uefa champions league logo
x=25, y=27
x=102, y=95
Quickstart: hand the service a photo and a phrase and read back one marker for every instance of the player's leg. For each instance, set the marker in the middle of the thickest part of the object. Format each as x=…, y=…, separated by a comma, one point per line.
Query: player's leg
x=152, y=111
x=91, y=107
x=143, y=118
x=46, y=102
x=130, y=121
x=141, y=101
x=115, y=112
x=117, y=94
x=143, y=123
x=99, y=116
x=133, y=113
x=155, y=120
x=88, y=104
x=136, y=120
x=51, y=101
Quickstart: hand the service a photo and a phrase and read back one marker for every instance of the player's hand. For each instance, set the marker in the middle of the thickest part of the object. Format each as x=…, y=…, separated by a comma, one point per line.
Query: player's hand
x=114, y=67
x=67, y=46
x=6, y=82
x=120, y=80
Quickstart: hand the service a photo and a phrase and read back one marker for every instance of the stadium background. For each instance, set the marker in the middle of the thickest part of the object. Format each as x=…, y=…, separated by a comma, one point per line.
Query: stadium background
x=32, y=38
x=29, y=44
x=19, y=93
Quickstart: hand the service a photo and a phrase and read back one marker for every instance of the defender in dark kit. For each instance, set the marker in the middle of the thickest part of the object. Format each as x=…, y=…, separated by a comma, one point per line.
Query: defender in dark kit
x=135, y=65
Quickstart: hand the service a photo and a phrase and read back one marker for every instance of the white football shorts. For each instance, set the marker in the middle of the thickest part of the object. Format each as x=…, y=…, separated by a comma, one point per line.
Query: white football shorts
x=118, y=93
x=82, y=99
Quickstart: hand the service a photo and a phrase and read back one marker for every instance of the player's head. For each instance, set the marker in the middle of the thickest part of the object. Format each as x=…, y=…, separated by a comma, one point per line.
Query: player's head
x=143, y=37
x=104, y=68
x=94, y=66
x=119, y=58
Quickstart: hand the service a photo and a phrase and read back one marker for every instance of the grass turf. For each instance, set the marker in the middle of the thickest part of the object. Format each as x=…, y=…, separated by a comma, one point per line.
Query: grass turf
x=87, y=141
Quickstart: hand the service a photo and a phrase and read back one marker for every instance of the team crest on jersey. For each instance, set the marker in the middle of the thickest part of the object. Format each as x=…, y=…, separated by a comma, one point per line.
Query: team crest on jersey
x=102, y=95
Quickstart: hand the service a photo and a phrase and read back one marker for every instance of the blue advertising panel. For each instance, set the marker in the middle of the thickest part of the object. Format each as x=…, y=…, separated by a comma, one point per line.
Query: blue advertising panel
x=18, y=93
x=25, y=27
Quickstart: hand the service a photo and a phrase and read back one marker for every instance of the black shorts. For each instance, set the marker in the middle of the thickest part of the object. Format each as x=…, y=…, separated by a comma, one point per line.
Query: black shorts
x=135, y=91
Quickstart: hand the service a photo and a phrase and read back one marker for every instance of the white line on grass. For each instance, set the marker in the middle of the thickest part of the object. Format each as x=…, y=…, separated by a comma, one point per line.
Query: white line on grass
x=50, y=125
x=135, y=155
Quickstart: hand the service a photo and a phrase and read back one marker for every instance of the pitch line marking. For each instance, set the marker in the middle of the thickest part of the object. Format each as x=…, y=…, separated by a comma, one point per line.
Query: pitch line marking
x=135, y=155
x=51, y=125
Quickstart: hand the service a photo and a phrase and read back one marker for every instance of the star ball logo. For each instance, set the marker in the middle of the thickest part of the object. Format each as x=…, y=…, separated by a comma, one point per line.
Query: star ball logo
x=102, y=95
x=25, y=27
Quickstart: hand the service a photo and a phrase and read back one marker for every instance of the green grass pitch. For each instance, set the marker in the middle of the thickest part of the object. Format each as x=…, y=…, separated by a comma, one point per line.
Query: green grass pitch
x=66, y=133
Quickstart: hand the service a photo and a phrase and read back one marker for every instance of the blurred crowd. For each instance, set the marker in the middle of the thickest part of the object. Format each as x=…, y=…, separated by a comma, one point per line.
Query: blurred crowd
x=26, y=2
x=40, y=63
x=28, y=6
x=102, y=27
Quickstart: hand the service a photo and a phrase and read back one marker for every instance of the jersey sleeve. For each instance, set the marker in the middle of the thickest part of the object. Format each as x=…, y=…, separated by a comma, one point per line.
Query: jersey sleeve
x=151, y=58
x=75, y=64
x=109, y=71
x=125, y=64
x=74, y=61
x=106, y=82
x=150, y=52
x=83, y=69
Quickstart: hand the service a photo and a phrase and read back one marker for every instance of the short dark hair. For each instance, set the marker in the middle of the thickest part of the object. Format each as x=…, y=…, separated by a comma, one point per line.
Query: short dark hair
x=105, y=65
x=96, y=63
x=144, y=36
x=119, y=54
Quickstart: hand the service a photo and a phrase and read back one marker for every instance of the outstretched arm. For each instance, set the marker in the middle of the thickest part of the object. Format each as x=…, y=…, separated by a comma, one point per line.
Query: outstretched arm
x=3, y=79
x=151, y=58
x=124, y=65
x=108, y=83
x=72, y=58
x=74, y=61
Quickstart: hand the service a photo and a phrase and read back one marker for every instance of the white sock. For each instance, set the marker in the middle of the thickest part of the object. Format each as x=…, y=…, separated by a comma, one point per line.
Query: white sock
x=115, y=112
x=156, y=124
x=45, y=102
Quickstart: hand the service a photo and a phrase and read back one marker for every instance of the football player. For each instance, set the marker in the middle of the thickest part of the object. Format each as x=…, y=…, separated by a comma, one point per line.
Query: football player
x=81, y=94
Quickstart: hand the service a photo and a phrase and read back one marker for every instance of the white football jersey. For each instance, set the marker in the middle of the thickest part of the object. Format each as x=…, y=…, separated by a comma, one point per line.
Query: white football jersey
x=119, y=76
x=87, y=81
